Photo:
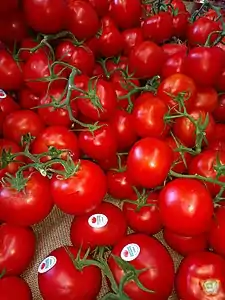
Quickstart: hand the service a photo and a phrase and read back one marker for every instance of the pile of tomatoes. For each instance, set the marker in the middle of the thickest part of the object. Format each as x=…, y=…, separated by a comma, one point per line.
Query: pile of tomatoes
x=118, y=98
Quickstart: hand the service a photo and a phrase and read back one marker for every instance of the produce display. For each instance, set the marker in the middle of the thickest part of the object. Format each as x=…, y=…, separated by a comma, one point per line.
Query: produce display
x=112, y=128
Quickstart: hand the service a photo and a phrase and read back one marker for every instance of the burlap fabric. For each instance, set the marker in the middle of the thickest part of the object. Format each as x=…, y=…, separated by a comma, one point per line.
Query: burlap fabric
x=53, y=232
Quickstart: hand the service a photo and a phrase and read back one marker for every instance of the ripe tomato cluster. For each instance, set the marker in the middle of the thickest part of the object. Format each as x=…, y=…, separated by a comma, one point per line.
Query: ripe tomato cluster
x=114, y=112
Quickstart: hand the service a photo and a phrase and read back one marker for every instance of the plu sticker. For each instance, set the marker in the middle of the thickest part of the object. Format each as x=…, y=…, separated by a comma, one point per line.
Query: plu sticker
x=47, y=264
x=211, y=287
x=130, y=252
x=98, y=221
x=2, y=94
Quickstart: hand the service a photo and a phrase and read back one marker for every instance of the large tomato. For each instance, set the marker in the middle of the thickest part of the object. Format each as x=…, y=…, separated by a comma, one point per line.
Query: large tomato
x=149, y=162
x=147, y=254
x=13, y=287
x=27, y=206
x=17, y=247
x=83, y=191
x=60, y=265
x=186, y=206
x=201, y=275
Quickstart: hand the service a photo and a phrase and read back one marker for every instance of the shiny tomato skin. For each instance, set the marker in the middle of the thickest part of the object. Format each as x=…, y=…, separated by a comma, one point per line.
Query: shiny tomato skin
x=21, y=122
x=152, y=255
x=148, y=116
x=45, y=16
x=27, y=99
x=180, y=24
x=216, y=232
x=172, y=48
x=29, y=43
x=185, y=245
x=219, y=112
x=198, y=273
x=82, y=19
x=149, y=162
x=17, y=246
x=132, y=37
x=20, y=290
x=146, y=60
x=29, y=208
x=82, y=192
x=52, y=286
x=175, y=200
x=174, y=64
x=146, y=220
x=126, y=13
x=11, y=77
x=83, y=59
x=206, y=99
x=85, y=234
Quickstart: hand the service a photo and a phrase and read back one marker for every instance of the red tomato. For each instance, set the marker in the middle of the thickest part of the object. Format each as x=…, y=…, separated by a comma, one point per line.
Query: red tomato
x=148, y=116
x=12, y=288
x=27, y=99
x=9, y=6
x=17, y=246
x=219, y=112
x=21, y=122
x=29, y=43
x=78, y=194
x=201, y=275
x=82, y=19
x=185, y=130
x=144, y=253
x=108, y=163
x=132, y=37
x=11, y=77
x=174, y=64
x=186, y=207
x=220, y=84
x=29, y=207
x=46, y=16
x=180, y=24
x=100, y=6
x=126, y=13
x=184, y=245
x=146, y=60
x=159, y=27
x=173, y=48
x=216, y=232
x=60, y=265
x=206, y=99
x=149, y=162
x=104, y=226
x=143, y=216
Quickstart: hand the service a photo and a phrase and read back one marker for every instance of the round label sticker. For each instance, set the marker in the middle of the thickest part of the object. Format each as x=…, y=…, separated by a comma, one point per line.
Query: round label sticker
x=2, y=94
x=211, y=287
x=130, y=252
x=98, y=221
x=47, y=264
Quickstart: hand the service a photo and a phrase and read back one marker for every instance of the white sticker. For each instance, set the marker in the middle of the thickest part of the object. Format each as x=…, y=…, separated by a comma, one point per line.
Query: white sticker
x=47, y=264
x=2, y=94
x=130, y=252
x=98, y=221
x=211, y=287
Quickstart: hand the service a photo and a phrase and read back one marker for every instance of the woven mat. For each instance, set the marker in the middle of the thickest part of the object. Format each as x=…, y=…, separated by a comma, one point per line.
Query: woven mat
x=53, y=232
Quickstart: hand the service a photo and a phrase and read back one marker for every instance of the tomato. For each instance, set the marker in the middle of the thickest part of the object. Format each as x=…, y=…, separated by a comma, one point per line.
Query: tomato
x=148, y=116
x=29, y=206
x=144, y=253
x=173, y=48
x=216, y=232
x=220, y=84
x=201, y=276
x=146, y=217
x=17, y=246
x=108, y=163
x=173, y=86
x=9, y=6
x=219, y=112
x=100, y=6
x=206, y=99
x=132, y=37
x=78, y=194
x=104, y=226
x=180, y=161
x=61, y=266
x=149, y=162
x=199, y=31
x=122, y=123
x=27, y=99
x=21, y=122
x=175, y=201
x=10, y=73
x=53, y=115
x=178, y=5
x=159, y=27
x=174, y=64
x=14, y=288
x=46, y=16
x=8, y=147
x=29, y=43
x=180, y=24
x=185, y=245
x=126, y=13
x=185, y=130
x=146, y=60
x=204, y=164
x=204, y=65
x=82, y=19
